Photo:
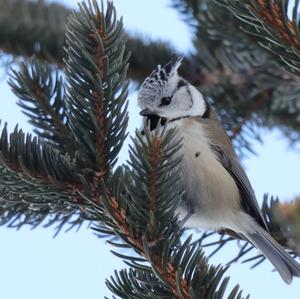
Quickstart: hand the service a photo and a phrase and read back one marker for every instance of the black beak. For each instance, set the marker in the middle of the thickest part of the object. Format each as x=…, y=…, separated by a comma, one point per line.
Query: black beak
x=146, y=112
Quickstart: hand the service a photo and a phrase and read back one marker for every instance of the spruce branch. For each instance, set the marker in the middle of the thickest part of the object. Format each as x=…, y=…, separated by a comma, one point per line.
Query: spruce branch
x=37, y=181
x=97, y=90
x=39, y=186
x=33, y=168
x=18, y=210
x=30, y=166
x=41, y=96
x=269, y=23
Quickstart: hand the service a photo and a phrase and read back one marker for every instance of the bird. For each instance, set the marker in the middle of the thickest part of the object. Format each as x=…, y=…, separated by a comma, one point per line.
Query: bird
x=219, y=194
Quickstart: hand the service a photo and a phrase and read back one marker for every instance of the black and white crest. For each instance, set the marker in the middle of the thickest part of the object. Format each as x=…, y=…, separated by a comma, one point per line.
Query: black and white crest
x=157, y=83
x=161, y=74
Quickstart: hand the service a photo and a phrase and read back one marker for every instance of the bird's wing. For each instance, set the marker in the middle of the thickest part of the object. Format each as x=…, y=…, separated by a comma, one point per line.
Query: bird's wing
x=248, y=198
x=222, y=146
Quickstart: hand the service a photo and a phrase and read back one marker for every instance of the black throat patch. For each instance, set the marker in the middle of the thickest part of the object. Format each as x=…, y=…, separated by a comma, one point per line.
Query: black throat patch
x=153, y=120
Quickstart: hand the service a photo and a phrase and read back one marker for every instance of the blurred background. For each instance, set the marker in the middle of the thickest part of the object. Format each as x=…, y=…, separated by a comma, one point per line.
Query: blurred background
x=75, y=264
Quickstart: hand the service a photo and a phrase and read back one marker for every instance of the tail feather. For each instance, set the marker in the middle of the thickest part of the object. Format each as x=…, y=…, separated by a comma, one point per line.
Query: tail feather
x=285, y=264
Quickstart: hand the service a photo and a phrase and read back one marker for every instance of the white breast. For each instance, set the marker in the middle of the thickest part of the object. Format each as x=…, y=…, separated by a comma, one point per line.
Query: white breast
x=210, y=188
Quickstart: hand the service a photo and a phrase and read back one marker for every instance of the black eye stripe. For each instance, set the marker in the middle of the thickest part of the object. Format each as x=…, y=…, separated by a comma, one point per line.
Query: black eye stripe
x=207, y=111
x=180, y=83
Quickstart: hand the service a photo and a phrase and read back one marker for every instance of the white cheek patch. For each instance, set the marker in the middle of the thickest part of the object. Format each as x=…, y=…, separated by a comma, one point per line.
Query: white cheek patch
x=199, y=105
x=185, y=103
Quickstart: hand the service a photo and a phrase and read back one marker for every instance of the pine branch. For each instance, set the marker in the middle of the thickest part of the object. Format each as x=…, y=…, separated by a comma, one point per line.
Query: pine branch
x=36, y=181
x=106, y=116
x=29, y=200
x=18, y=210
x=269, y=23
x=29, y=166
x=97, y=91
x=41, y=96
x=33, y=168
x=144, y=284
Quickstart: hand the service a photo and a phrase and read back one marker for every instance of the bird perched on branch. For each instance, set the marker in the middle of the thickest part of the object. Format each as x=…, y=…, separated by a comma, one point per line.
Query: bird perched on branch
x=219, y=194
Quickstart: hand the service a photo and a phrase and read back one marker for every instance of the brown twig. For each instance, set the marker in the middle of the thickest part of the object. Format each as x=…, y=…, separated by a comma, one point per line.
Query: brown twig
x=153, y=177
x=273, y=16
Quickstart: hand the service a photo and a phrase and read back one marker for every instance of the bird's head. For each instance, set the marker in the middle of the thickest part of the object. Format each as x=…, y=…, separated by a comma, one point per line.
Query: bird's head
x=165, y=94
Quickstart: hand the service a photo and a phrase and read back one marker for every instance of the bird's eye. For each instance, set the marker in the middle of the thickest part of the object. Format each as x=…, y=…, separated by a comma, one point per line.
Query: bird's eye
x=165, y=101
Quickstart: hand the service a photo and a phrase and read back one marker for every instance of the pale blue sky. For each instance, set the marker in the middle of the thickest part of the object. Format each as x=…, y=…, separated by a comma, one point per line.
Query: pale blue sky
x=75, y=265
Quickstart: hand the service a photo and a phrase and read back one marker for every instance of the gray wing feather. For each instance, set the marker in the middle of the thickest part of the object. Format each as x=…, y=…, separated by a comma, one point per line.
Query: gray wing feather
x=222, y=146
x=249, y=201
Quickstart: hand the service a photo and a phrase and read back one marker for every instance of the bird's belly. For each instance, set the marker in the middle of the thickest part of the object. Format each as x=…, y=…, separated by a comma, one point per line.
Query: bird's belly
x=211, y=192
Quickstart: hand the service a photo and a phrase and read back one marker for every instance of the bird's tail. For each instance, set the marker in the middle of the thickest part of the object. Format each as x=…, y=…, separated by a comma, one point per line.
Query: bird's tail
x=281, y=260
